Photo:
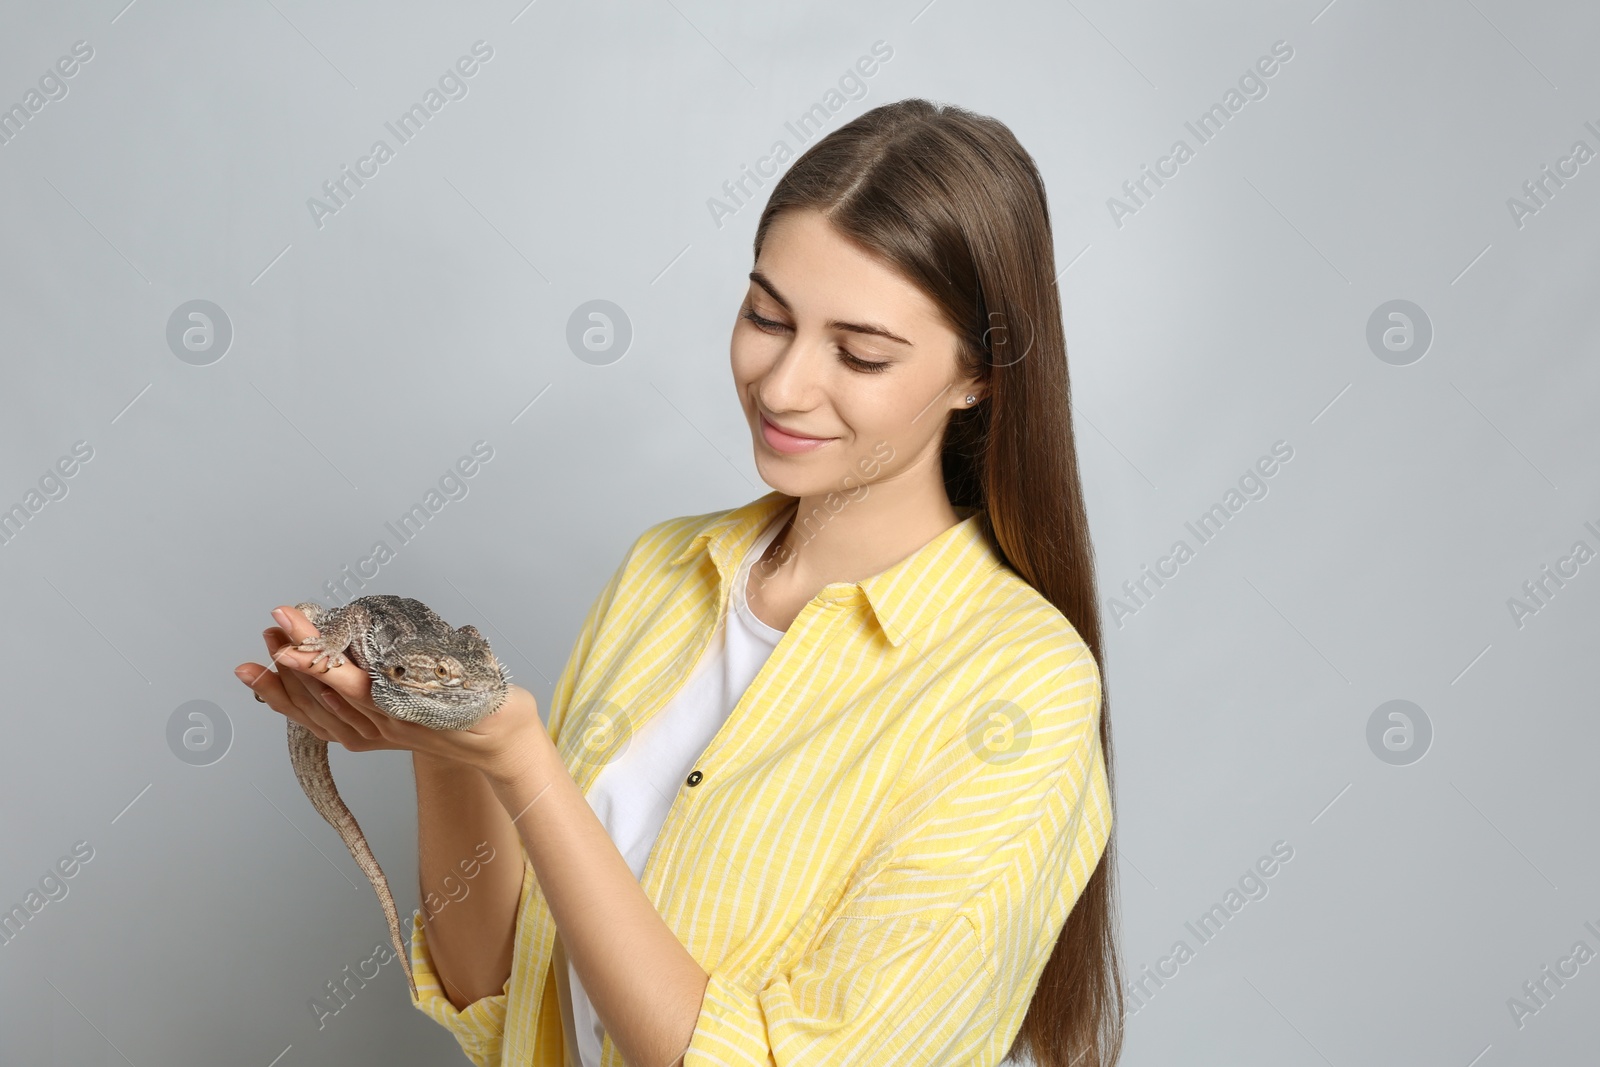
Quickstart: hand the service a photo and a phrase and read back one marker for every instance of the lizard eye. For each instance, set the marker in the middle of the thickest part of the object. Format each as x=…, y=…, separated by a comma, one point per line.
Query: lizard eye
x=441, y=672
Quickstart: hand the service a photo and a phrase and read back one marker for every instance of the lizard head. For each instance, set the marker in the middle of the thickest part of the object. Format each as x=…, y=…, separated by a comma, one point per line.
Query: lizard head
x=446, y=682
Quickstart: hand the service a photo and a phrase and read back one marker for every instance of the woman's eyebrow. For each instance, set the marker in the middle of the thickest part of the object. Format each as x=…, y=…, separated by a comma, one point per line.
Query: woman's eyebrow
x=854, y=327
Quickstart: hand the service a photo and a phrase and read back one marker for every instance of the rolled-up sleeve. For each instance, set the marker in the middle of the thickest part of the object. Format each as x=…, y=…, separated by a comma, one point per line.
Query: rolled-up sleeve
x=478, y=1028
x=880, y=991
x=935, y=948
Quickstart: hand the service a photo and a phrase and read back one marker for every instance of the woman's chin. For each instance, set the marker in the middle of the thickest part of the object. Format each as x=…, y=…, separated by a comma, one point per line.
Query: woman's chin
x=780, y=474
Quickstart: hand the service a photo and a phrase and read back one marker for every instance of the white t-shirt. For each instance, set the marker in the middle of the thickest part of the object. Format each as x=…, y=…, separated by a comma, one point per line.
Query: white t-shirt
x=632, y=794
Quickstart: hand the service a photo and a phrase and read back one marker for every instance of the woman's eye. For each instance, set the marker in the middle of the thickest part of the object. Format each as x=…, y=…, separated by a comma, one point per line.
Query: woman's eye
x=865, y=365
x=761, y=323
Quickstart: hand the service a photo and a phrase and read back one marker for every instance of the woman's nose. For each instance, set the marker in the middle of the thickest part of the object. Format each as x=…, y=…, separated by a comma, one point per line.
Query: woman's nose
x=793, y=380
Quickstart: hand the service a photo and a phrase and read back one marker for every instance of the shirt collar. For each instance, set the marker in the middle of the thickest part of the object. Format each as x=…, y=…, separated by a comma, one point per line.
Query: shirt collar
x=904, y=598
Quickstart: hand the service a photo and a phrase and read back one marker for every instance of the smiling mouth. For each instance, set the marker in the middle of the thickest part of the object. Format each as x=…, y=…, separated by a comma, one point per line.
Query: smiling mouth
x=787, y=444
x=790, y=433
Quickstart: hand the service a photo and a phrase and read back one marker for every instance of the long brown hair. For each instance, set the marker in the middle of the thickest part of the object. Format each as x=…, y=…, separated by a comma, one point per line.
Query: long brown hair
x=953, y=202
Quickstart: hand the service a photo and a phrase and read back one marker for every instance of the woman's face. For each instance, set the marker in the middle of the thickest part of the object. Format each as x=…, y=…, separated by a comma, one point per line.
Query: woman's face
x=847, y=351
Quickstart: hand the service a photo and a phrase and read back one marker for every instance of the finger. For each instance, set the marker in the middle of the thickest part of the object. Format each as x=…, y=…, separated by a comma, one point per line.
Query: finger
x=323, y=724
x=334, y=726
x=294, y=621
x=370, y=724
x=286, y=692
x=347, y=678
x=355, y=710
x=296, y=627
x=343, y=679
x=310, y=696
x=268, y=688
x=304, y=692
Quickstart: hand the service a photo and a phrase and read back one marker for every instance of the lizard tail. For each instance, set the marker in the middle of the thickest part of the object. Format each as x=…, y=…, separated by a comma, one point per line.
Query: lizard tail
x=309, y=755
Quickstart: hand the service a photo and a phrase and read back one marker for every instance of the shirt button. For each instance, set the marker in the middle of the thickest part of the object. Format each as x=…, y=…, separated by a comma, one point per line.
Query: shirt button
x=694, y=777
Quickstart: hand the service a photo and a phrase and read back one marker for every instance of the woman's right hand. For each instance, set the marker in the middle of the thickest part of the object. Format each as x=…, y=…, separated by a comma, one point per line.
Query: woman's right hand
x=336, y=705
x=297, y=695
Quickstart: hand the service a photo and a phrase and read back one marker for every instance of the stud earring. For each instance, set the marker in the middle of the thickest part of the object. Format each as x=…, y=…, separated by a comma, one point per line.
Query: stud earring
x=972, y=399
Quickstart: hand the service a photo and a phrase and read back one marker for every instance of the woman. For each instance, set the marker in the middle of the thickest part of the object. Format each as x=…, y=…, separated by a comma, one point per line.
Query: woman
x=827, y=776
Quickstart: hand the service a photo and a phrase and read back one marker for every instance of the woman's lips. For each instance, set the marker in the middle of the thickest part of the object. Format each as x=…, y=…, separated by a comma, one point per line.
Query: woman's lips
x=780, y=441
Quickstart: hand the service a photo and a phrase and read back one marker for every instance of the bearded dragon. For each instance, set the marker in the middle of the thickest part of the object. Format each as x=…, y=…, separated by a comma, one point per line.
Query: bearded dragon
x=423, y=671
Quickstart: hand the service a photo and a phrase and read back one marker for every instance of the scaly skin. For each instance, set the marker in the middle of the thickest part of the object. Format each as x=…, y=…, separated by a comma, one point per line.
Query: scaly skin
x=423, y=671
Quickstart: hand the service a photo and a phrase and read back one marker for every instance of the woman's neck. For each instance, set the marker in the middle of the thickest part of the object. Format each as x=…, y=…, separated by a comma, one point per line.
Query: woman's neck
x=854, y=538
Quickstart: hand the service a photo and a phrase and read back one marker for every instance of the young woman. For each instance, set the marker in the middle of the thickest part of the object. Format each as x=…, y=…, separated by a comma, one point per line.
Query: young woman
x=827, y=776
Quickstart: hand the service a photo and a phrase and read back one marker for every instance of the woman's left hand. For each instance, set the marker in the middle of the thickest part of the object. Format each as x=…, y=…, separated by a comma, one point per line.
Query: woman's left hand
x=336, y=705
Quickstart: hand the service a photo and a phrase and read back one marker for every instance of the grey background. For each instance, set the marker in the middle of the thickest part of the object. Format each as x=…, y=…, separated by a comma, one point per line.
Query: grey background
x=1228, y=313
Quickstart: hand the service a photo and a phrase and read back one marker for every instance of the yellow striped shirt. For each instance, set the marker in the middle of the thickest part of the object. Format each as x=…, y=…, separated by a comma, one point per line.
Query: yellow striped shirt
x=877, y=849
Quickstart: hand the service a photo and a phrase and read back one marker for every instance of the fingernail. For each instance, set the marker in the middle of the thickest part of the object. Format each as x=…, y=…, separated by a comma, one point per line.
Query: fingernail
x=243, y=674
x=282, y=617
x=329, y=699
